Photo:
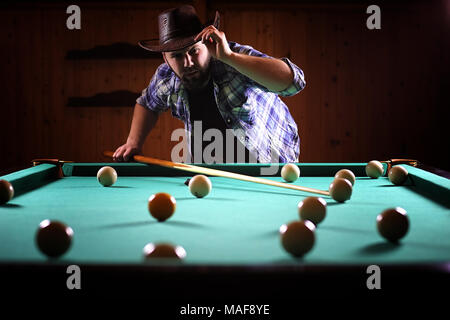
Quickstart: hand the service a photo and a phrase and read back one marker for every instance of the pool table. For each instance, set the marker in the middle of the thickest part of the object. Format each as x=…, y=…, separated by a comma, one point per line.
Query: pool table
x=231, y=236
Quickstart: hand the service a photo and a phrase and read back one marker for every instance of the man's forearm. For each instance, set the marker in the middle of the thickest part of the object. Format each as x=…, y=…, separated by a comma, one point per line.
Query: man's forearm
x=143, y=122
x=274, y=74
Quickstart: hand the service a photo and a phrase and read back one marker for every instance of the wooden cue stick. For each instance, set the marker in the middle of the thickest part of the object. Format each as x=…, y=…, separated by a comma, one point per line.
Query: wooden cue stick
x=219, y=173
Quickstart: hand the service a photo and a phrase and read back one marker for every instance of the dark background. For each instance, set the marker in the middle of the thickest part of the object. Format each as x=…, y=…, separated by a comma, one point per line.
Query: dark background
x=370, y=94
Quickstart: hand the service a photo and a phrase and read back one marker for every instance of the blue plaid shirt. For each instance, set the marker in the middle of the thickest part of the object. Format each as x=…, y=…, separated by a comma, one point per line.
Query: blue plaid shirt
x=270, y=132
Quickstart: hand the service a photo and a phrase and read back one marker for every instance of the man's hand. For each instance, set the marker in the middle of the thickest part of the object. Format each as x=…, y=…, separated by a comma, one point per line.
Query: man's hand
x=125, y=152
x=216, y=42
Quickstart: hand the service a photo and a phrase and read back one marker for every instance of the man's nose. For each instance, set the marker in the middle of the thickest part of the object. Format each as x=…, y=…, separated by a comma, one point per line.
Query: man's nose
x=188, y=61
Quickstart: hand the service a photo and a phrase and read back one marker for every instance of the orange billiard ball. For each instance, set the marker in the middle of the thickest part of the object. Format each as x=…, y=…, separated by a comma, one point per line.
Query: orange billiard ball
x=161, y=206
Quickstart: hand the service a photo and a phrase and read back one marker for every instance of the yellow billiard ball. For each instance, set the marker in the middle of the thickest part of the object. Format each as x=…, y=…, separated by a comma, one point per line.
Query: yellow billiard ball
x=374, y=169
x=290, y=172
x=346, y=174
x=397, y=175
x=107, y=176
x=161, y=206
x=200, y=186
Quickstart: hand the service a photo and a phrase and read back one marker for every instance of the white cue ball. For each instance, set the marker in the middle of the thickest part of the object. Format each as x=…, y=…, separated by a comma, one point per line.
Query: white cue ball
x=298, y=237
x=200, y=186
x=107, y=176
x=397, y=175
x=340, y=189
x=374, y=169
x=290, y=172
x=313, y=209
x=346, y=174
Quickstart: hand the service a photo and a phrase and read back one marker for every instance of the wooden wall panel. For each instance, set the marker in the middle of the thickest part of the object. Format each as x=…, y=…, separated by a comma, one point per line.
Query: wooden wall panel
x=369, y=94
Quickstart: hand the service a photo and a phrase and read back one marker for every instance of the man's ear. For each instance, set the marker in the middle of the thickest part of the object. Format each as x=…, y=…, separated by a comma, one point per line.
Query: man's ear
x=165, y=60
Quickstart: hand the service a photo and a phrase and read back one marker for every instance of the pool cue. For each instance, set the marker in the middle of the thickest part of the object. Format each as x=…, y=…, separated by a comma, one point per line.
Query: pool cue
x=219, y=173
x=392, y=162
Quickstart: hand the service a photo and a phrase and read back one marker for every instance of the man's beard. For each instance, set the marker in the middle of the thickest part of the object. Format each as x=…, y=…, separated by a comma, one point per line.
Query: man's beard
x=197, y=81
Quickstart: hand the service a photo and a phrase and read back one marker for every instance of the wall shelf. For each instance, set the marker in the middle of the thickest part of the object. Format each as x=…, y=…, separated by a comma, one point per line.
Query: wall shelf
x=121, y=50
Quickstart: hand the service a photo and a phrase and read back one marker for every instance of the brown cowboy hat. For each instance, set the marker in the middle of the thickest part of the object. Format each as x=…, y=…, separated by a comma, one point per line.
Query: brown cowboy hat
x=177, y=29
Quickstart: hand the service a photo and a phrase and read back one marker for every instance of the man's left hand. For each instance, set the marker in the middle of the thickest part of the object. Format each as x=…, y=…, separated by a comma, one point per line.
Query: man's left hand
x=216, y=42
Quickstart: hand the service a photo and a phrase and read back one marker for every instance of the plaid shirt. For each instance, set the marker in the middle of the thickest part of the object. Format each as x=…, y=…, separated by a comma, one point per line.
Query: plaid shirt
x=270, y=132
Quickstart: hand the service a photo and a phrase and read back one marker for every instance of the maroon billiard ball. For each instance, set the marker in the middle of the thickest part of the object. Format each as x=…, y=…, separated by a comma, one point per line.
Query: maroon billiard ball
x=53, y=238
x=6, y=191
x=393, y=224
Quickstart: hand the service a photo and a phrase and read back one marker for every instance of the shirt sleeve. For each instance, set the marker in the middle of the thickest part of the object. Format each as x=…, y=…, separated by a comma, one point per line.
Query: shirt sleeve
x=155, y=96
x=299, y=78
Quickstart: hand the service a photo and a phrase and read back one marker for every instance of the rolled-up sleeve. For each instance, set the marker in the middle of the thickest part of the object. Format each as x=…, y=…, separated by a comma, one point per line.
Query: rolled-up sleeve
x=299, y=78
x=154, y=97
x=297, y=84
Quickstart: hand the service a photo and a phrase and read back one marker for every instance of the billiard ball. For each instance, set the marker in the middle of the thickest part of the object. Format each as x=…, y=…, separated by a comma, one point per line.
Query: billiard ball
x=200, y=186
x=6, y=191
x=161, y=206
x=346, y=174
x=290, y=172
x=393, y=224
x=397, y=175
x=374, y=169
x=164, y=250
x=313, y=209
x=298, y=237
x=107, y=176
x=340, y=189
x=53, y=238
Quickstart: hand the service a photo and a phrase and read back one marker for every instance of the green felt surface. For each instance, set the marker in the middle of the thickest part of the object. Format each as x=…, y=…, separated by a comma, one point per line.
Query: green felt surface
x=236, y=224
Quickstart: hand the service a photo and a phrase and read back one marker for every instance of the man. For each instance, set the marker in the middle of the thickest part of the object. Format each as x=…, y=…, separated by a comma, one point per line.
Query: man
x=226, y=86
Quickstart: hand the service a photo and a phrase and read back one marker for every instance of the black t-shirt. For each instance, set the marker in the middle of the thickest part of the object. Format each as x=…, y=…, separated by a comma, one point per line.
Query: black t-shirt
x=203, y=108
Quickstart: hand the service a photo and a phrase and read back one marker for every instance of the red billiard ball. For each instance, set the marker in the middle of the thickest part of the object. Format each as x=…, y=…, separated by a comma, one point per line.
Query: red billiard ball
x=53, y=238
x=161, y=206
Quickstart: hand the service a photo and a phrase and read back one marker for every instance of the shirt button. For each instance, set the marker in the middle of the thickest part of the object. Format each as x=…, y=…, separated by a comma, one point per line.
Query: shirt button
x=228, y=120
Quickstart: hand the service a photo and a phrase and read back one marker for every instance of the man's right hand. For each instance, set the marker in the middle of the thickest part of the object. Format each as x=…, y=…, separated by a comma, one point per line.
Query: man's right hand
x=125, y=152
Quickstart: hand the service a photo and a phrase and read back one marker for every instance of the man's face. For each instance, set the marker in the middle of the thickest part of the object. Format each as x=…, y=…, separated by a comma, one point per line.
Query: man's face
x=191, y=65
